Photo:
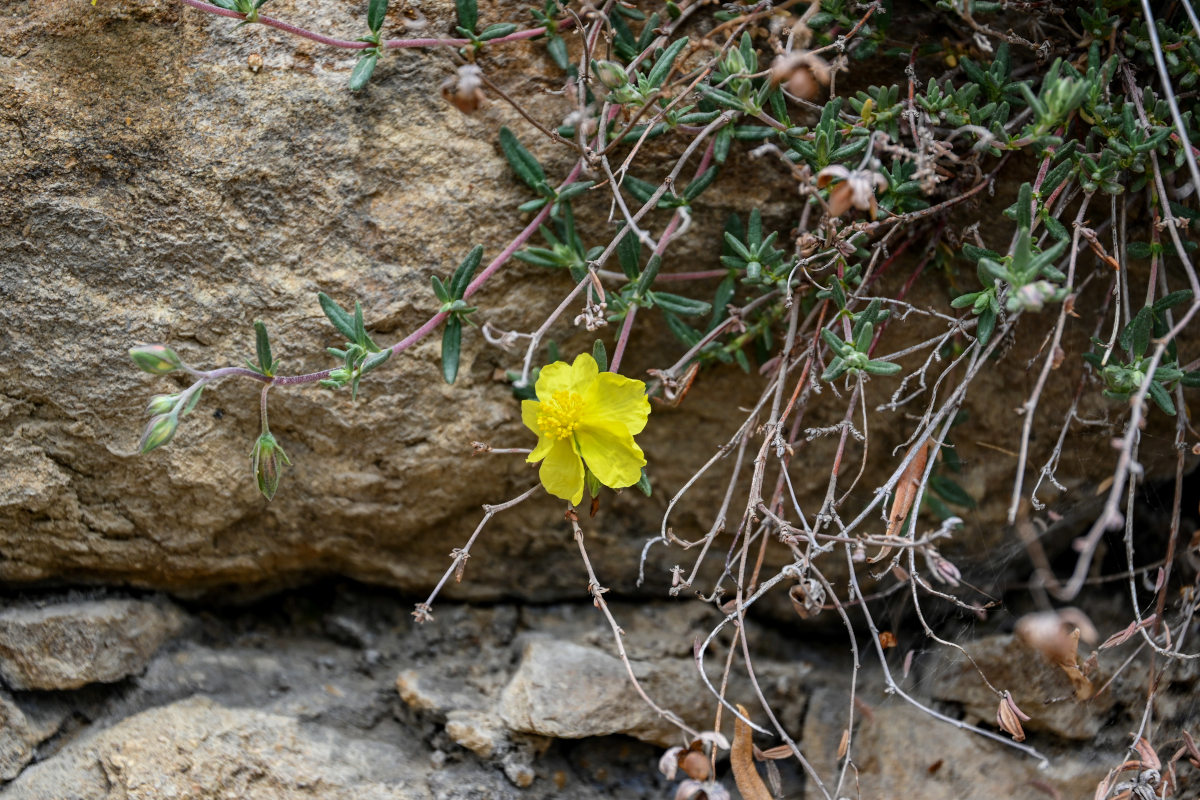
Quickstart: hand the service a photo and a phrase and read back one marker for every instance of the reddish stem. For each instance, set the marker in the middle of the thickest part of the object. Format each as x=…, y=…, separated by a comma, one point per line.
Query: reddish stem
x=346, y=44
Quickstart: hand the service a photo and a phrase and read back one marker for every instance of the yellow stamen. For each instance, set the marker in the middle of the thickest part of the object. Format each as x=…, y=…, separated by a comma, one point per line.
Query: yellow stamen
x=560, y=415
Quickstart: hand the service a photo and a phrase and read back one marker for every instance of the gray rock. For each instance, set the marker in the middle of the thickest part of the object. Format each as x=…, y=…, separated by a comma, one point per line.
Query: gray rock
x=16, y=739
x=1039, y=688
x=201, y=750
x=570, y=691
x=899, y=751
x=68, y=645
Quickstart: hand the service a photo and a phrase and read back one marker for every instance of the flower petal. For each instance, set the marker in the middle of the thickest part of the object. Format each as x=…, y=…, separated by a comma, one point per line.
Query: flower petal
x=562, y=472
x=529, y=414
x=611, y=454
x=561, y=376
x=615, y=399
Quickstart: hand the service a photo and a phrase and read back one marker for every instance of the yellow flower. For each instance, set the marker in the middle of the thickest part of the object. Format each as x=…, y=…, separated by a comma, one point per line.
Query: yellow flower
x=584, y=416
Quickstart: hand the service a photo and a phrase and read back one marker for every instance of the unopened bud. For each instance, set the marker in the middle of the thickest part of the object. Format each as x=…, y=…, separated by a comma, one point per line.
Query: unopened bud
x=162, y=403
x=265, y=460
x=157, y=359
x=158, y=432
x=610, y=73
x=1032, y=296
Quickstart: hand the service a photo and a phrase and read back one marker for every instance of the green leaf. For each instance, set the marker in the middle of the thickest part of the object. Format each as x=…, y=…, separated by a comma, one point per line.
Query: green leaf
x=693, y=189
x=1161, y=398
x=496, y=30
x=601, y=355
x=1136, y=336
x=360, y=328
x=1171, y=300
x=521, y=160
x=628, y=256
x=439, y=289
x=263, y=347
x=987, y=324
x=681, y=305
x=881, y=367
x=643, y=483
x=340, y=319
x=468, y=13
x=950, y=491
x=193, y=402
x=451, y=347
x=464, y=273
x=557, y=48
x=662, y=66
x=376, y=11
x=363, y=69
x=649, y=274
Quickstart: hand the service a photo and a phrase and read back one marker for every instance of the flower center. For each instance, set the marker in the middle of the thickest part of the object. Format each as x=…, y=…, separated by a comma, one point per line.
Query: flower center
x=560, y=415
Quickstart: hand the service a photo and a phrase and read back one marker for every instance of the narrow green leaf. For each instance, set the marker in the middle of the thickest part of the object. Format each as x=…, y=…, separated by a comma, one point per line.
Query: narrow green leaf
x=360, y=328
x=1136, y=336
x=628, y=256
x=1161, y=398
x=340, y=319
x=521, y=160
x=263, y=347
x=468, y=13
x=951, y=492
x=451, y=346
x=881, y=367
x=662, y=66
x=987, y=324
x=496, y=30
x=681, y=305
x=693, y=189
x=439, y=289
x=643, y=483
x=363, y=69
x=466, y=271
x=601, y=355
x=649, y=274
x=376, y=11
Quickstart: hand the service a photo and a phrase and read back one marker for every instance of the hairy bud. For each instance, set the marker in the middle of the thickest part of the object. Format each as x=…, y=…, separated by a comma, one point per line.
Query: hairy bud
x=157, y=359
x=158, y=432
x=265, y=461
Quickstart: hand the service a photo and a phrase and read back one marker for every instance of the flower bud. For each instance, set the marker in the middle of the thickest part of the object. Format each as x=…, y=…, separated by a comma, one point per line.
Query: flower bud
x=610, y=73
x=158, y=432
x=264, y=460
x=1032, y=296
x=157, y=359
x=162, y=403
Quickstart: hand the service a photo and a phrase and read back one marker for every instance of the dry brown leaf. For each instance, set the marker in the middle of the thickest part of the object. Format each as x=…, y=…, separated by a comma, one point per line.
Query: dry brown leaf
x=1009, y=717
x=741, y=761
x=774, y=753
x=906, y=489
x=887, y=640
x=1123, y=636
x=844, y=744
x=1047, y=633
x=1146, y=753
x=807, y=598
x=1192, y=751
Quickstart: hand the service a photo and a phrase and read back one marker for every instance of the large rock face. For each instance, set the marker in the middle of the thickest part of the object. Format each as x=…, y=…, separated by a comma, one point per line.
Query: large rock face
x=157, y=189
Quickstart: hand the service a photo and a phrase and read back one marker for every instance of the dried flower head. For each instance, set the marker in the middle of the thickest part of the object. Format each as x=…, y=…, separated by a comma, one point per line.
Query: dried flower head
x=464, y=90
x=801, y=73
x=854, y=187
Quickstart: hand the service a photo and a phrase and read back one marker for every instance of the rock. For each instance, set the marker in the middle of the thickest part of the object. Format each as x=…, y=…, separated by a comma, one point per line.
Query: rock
x=1039, y=688
x=899, y=751
x=16, y=739
x=570, y=691
x=72, y=644
x=201, y=750
x=201, y=195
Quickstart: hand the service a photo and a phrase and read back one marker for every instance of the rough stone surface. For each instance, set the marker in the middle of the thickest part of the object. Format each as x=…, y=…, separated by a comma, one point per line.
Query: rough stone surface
x=899, y=751
x=196, y=748
x=68, y=645
x=16, y=739
x=570, y=691
x=153, y=188
x=1039, y=688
